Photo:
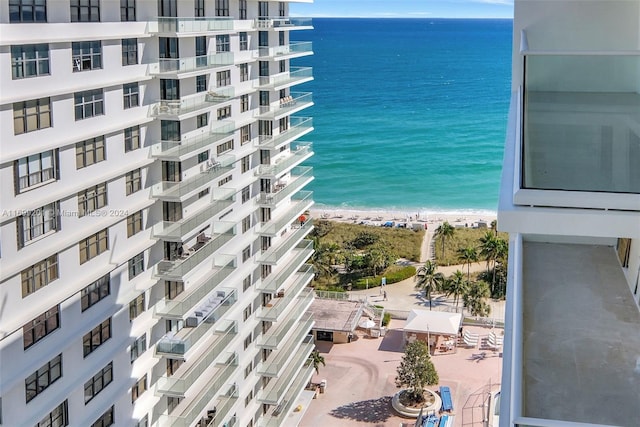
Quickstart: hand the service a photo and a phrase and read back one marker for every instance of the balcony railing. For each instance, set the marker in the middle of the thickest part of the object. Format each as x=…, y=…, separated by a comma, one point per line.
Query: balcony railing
x=195, y=24
x=294, y=75
x=186, y=301
x=196, y=63
x=280, y=22
x=295, y=102
x=300, y=177
x=290, y=50
x=177, y=385
x=273, y=393
x=177, y=107
x=177, y=344
x=302, y=201
x=283, y=247
x=280, y=305
x=275, y=281
x=175, y=150
x=301, y=153
x=190, y=414
x=274, y=337
x=277, y=360
x=277, y=417
x=298, y=126
x=223, y=405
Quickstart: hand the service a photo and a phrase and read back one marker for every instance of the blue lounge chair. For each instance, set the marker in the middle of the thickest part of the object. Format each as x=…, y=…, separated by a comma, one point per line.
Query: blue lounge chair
x=446, y=421
x=430, y=421
x=447, y=403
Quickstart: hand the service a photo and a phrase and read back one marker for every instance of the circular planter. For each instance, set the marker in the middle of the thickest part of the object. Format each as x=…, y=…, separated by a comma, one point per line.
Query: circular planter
x=407, y=412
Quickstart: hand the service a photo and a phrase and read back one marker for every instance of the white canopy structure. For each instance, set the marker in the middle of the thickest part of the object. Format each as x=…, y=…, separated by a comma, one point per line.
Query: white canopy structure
x=433, y=322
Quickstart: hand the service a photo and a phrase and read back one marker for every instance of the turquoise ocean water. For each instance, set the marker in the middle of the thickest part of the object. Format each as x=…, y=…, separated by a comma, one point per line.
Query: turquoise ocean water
x=410, y=114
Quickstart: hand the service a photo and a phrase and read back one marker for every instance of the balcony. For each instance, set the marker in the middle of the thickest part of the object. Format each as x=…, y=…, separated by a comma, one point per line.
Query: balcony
x=274, y=309
x=290, y=51
x=298, y=126
x=300, y=177
x=193, y=411
x=194, y=24
x=295, y=76
x=278, y=335
x=276, y=281
x=181, y=150
x=275, y=253
x=277, y=360
x=177, y=344
x=179, y=383
x=273, y=393
x=177, y=308
x=223, y=405
x=297, y=101
x=174, y=67
x=192, y=104
x=279, y=414
x=283, y=23
x=179, y=191
x=301, y=202
x=176, y=269
x=298, y=155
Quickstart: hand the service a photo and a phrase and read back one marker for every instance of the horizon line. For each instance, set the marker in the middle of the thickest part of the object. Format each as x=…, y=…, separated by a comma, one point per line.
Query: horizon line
x=400, y=17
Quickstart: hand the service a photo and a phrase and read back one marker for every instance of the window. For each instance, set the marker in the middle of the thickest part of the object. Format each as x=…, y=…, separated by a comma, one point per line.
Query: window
x=91, y=199
x=203, y=157
x=246, y=283
x=133, y=181
x=173, y=365
x=222, y=7
x=244, y=40
x=138, y=347
x=283, y=66
x=224, y=112
x=247, y=400
x=246, y=224
x=172, y=402
x=59, y=417
x=138, y=388
x=199, y=8
x=224, y=147
x=89, y=103
x=201, y=83
x=264, y=98
x=131, y=138
x=27, y=10
x=29, y=116
x=244, y=72
x=201, y=51
x=225, y=180
x=127, y=10
x=245, y=164
x=94, y=245
x=96, y=337
x=203, y=193
x=36, y=223
x=136, y=266
x=623, y=247
x=243, y=9
x=90, y=152
x=222, y=43
x=202, y=120
x=39, y=275
x=129, y=50
x=107, y=419
x=144, y=422
x=131, y=95
x=223, y=78
x=246, y=194
x=136, y=307
x=35, y=170
x=246, y=314
x=95, y=292
x=283, y=123
x=86, y=55
x=248, y=340
x=134, y=223
x=41, y=326
x=29, y=60
x=41, y=379
x=172, y=289
x=246, y=254
x=99, y=381
x=85, y=10
x=244, y=103
x=282, y=9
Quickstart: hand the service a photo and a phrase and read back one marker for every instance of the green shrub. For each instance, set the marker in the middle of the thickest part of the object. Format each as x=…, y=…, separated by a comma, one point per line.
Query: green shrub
x=393, y=276
x=386, y=319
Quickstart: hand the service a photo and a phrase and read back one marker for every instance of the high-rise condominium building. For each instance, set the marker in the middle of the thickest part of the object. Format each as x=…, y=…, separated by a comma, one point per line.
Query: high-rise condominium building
x=153, y=213
x=570, y=199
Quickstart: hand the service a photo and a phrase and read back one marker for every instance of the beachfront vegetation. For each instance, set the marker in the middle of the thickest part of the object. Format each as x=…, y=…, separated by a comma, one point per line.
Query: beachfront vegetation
x=475, y=299
x=415, y=372
x=429, y=280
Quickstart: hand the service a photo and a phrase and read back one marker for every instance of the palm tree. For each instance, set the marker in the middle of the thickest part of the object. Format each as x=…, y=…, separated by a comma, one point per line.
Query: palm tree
x=494, y=226
x=429, y=280
x=474, y=299
x=467, y=256
x=489, y=251
x=443, y=232
x=317, y=360
x=456, y=286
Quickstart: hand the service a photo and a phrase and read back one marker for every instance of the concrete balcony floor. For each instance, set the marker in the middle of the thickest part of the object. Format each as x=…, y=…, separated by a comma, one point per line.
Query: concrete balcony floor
x=581, y=336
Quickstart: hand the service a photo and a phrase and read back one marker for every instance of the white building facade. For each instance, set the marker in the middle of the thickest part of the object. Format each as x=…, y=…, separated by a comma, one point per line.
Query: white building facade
x=570, y=199
x=154, y=213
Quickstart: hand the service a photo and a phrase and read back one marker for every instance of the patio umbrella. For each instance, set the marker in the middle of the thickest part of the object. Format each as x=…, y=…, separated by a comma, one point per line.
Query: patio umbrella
x=367, y=324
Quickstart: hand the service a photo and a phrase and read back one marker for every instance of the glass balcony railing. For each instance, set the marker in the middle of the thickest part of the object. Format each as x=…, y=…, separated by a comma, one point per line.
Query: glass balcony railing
x=278, y=359
x=277, y=417
x=275, y=281
x=275, y=337
x=199, y=403
x=177, y=107
x=223, y=406
x=294, y=102
x=298, y=126
x=177, y=344
x=186, y=301
x=265, y=23
x=301, y=153
x=190, y=64
x=178, y=268
x=290, y=50
x=301, y=202
x=283, y=247
x=581, y=122
x=194, y=24
x=280, y=305
x=174, y=150
x=294, y=75
x=300, y=177
x=178, y=384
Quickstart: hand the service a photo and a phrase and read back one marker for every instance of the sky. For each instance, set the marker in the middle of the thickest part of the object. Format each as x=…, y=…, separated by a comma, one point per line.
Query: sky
x=405, y=8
